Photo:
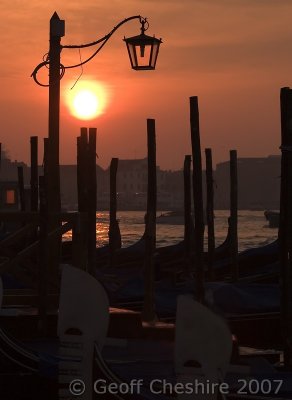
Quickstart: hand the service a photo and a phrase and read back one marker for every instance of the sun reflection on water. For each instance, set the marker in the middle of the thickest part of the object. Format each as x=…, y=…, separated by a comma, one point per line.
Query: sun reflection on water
x=253, y=229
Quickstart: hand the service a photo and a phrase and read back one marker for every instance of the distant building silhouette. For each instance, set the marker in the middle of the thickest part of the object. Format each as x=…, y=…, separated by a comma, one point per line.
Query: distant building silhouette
x=9, y=194
x=258, y=184
x=132, y=186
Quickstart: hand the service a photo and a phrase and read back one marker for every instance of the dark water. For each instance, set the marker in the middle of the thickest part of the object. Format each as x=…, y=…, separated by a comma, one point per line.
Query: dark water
x=253, y=229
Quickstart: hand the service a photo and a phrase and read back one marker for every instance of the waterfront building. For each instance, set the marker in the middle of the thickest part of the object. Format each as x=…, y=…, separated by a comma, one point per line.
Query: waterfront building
x=258, y=184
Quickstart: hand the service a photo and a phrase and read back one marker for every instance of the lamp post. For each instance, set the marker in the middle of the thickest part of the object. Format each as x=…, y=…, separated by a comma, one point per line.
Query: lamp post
x=57, y=30
x=143, y=51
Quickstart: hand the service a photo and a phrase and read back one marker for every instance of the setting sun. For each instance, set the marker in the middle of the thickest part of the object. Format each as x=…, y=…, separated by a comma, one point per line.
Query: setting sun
x=87, y=100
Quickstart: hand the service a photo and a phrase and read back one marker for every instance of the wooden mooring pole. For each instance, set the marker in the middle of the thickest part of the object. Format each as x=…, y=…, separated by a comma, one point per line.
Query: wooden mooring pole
x=44, y=250
x=233, y=215
x=92, y=192
x=198, y=199
x=34, y=195
x=148, y=314
x=87, y=189
x=21, y=188
x=285, y=226
x=114, y=230
x=210, y=211
x=80, y=231
x=82, y=172
x=188, y=231
x=43, y=258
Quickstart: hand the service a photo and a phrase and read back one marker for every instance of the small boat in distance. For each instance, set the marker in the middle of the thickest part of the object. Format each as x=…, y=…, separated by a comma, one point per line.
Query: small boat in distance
x=171, y=218
x=273, y=218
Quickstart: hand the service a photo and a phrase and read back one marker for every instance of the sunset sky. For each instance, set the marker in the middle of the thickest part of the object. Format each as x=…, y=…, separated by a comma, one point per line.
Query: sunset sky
x=235, y=55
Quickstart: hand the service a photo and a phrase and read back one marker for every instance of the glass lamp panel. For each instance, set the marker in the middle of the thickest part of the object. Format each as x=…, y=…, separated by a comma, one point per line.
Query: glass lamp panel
x=154, y=54
x=143, y=55
x=132, y=55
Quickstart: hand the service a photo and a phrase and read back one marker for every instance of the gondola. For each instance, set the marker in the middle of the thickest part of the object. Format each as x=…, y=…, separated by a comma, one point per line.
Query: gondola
x=135, y=252
x=250, y=260
x=198, y=354
x=174, y=254
x=238, y=303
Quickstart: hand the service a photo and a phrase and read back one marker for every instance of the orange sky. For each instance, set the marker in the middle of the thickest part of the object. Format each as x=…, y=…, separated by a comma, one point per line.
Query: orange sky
x=235, y=55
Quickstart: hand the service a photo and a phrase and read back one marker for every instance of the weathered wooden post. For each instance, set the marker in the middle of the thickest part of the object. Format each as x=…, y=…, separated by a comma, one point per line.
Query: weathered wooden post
x=92, y=191
x=114, y=230
x=43, y=258
x=285, y=226
x=21, y=188
x=187, y=208
x=43, y=255
x=210, y=211
x=82, y=170
x=80, y=230
x=198, y=199
x=46, y=166
x=148, y=314
x=34, y=197
x=233, y=215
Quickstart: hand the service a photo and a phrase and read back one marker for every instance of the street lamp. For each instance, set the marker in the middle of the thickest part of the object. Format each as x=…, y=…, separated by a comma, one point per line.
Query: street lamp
x=142, y=49
x=143, y=52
